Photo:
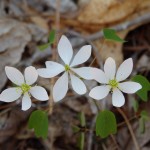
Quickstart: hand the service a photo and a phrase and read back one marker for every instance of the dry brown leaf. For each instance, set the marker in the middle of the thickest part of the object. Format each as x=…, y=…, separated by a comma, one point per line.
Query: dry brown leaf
x=111, y=48
x=36, y=18
x=77, y=105
x=108, y=11
x=144, y=4
x=95, y=10
x=99, y=14
x=10, y=123
x=13, y=38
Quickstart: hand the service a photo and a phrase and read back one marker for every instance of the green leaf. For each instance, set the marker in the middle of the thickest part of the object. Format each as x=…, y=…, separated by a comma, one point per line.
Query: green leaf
x=135, y=105
x=142, y=125
x=105, y=124
x=110, y=34
x=144, y=117
x=81, y=140
x=142, y=93
x=51, y=38
x=43, y=47
x=75, y=128
x=82, y=119
x=39, y=122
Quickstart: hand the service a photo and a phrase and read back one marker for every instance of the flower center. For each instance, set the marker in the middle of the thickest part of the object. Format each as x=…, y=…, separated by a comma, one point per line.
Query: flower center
x=25, y=88
x=113, y=83
x=67, y=67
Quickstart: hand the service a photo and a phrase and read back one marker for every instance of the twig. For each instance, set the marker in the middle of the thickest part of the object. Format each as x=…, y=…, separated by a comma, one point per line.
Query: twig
x=57, y=26
x=7, y=105
x=130, y=120
x=5, y=111
x=54, y=56
x=130, y=129
x=120, y=27
x=90, y=137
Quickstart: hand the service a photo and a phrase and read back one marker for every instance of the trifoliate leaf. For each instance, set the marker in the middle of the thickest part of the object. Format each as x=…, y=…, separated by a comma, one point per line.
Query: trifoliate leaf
x=39, y=122
x=43, y=47
x=105, y=124
x=82, y=119
x=142, y=93
x=135, y=105
x=110, y=34
x=51, y=38
x=81, y=141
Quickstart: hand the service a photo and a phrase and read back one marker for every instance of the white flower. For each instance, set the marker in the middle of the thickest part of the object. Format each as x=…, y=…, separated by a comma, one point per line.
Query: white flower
x=23, y=87
x=52, y=69
x=112, y=81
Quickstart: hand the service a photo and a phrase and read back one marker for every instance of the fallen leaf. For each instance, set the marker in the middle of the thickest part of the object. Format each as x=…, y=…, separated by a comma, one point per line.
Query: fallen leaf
x=14, y=36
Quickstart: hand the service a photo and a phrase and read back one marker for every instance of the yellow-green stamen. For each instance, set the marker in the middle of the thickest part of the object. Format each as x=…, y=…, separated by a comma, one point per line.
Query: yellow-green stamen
x=67, y=67
x=25, y=88
x=113, y=83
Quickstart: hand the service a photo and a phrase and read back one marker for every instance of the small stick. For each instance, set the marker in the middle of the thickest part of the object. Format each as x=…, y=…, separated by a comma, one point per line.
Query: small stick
x=130, y=129
x=54, y=56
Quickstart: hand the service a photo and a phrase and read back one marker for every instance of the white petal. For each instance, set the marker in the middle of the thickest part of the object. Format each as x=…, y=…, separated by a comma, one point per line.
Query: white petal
x=124, y=70
x=14, y=75
x=118, y=99
x=84, y=72
x=65, y=50
x=129, y=87
x=39, y=93
x=54, y=68
x=99, y=92
x=44, y=72
x=77, y=85
x=49, y=73
x=30, y=75
x=99, y=76
x=10, y=94
x=61, y=87
x=110, y=68
x=26, y=102
x=53, y=65
x=82, y=56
